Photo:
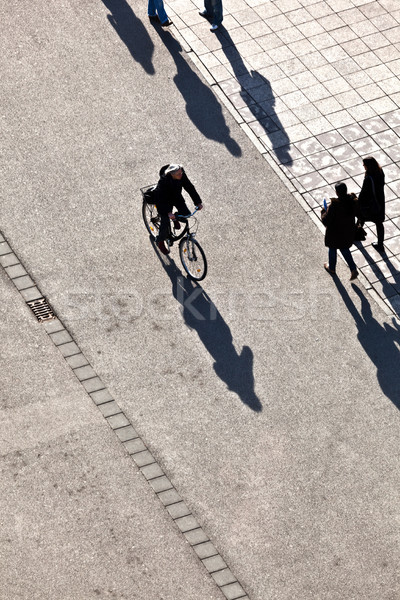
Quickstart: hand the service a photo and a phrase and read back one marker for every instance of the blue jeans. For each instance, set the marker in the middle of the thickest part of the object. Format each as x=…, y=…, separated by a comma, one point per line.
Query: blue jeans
x=332, y=254
x=214, y=10
x=157, y=6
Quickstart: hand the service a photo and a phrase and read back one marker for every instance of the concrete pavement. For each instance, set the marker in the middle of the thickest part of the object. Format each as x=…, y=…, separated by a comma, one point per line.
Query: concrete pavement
x=268, y=396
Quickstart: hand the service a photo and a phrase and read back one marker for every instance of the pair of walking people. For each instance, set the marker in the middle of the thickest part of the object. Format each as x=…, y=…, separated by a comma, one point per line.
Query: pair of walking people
x=340, y=216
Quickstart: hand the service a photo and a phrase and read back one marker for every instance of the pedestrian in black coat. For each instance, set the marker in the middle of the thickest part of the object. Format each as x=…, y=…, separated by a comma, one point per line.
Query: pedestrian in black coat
x=339, y=219
x=372, y=199
x=173, y=180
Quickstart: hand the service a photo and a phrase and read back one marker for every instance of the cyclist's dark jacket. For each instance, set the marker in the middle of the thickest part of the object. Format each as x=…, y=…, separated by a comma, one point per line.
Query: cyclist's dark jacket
x=169, y=192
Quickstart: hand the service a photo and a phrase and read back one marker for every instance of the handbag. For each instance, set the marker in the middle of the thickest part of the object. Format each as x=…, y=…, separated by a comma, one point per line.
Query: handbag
x=359, y=233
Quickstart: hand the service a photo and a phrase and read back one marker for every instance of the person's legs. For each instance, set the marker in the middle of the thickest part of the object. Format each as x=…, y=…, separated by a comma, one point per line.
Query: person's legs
x=332, y=256
x=208, y=9
x=348, y=258
x=380, y=232
x=151, y=9
x=216, y=12
x=164, y=228
x=158, y=5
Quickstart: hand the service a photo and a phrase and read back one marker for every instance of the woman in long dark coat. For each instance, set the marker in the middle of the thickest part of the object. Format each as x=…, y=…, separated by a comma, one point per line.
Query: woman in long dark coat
x=371, y=199
x=339, y=219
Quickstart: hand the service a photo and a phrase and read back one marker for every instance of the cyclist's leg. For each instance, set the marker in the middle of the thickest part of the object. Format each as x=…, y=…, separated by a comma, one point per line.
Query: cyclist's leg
x=164, y=228
x=181, y=208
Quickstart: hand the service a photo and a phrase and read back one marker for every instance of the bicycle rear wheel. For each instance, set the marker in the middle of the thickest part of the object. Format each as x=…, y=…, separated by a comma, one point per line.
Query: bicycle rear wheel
x=151, y=218
x=193, y=258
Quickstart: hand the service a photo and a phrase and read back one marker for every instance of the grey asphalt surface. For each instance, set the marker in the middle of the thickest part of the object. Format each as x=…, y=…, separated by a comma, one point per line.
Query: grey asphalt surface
x=269, y=394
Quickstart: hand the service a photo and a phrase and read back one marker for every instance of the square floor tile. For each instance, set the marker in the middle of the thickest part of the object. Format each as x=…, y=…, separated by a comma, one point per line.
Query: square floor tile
x=352, y=132
x=340, y=119
x=344, y=153
x=371, y=92
x=321, y=160
x=387, y=139
x=309, y=146
x=331, y=139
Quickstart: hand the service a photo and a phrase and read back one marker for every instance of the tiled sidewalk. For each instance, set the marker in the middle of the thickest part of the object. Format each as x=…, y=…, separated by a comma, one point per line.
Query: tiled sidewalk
x=318, y=84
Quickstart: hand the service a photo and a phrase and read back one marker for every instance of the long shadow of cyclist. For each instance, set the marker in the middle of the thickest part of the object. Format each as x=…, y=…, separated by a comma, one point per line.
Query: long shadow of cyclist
x=380, y=342
x=202, y=316
x=132, y=32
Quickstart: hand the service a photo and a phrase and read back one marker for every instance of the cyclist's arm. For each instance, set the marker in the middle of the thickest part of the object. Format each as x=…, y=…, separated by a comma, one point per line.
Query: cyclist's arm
x=191, y=190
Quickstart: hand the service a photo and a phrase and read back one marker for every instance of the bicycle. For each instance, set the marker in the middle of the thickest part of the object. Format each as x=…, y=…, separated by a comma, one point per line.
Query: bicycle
x=191, y=253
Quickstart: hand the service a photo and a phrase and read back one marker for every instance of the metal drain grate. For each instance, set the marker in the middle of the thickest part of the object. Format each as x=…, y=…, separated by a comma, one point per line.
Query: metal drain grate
x=41, y=309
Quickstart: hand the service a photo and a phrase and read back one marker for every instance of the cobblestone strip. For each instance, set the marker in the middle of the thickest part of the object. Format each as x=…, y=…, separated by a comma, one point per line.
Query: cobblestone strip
x=126, y=433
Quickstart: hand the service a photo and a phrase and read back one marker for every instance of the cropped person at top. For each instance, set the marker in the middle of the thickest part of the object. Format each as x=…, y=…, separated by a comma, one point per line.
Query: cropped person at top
x=169, y=195
x=371, y=199
x=339, y=219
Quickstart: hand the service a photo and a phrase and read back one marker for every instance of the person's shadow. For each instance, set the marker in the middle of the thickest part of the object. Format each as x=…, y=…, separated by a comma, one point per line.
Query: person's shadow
x=390, y=291
x=132, y=32
x=202, y=107
x=257, y=94
x=381, y=343
x=201, y=315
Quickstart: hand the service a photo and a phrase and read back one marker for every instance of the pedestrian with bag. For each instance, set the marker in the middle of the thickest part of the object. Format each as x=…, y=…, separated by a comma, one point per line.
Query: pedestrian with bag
x=339, y=219
x=371, y=199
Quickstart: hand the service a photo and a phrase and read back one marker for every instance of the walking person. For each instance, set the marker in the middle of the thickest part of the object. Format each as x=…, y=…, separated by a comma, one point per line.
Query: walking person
x=213, y=12
x=156, y=12
x=371, y=199
x=169, y=194
x=339, y=219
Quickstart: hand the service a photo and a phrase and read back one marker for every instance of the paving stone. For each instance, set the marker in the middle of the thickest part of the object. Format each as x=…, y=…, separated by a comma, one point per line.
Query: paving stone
x=196, y=536
x=205, y=550
x=169, y=497
x=15, y=271
x=9, y=259
x=78, y=360
x=101, y=396
x=224, y=577
x=85, y=372
x=117, y=421
x=4, y=248
x=32, y=293
x=214, y=563
x=69, y=349
x=93, y=385
x=233, y=591
x=125, y=433
x=187, y=523
x=178, y=510
x=143, y=458
x=60, y=337
x=156, y=477
x=109, y=408
x=135, y=445
x=23, y=282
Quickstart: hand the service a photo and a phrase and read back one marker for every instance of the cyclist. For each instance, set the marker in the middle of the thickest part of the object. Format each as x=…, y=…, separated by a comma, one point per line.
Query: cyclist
x=169, y=194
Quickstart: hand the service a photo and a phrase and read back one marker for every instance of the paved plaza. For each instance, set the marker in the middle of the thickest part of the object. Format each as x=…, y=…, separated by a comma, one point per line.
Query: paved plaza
x=169, y=440
x=317, y=83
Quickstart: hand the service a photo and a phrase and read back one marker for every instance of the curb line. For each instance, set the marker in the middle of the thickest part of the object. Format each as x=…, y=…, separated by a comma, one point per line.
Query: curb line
x=120, y=424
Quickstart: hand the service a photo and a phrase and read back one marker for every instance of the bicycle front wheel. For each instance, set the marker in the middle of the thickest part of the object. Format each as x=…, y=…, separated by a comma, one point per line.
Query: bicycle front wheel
x=193, y=258
x=151, y=218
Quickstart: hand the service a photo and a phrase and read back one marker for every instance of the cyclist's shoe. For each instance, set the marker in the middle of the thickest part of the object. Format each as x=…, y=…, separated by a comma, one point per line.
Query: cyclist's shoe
x=177, y=225
x=161, y=246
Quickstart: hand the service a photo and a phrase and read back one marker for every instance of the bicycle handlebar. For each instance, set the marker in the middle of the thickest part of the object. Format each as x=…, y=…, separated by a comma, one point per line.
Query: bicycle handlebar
x=187, y=216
